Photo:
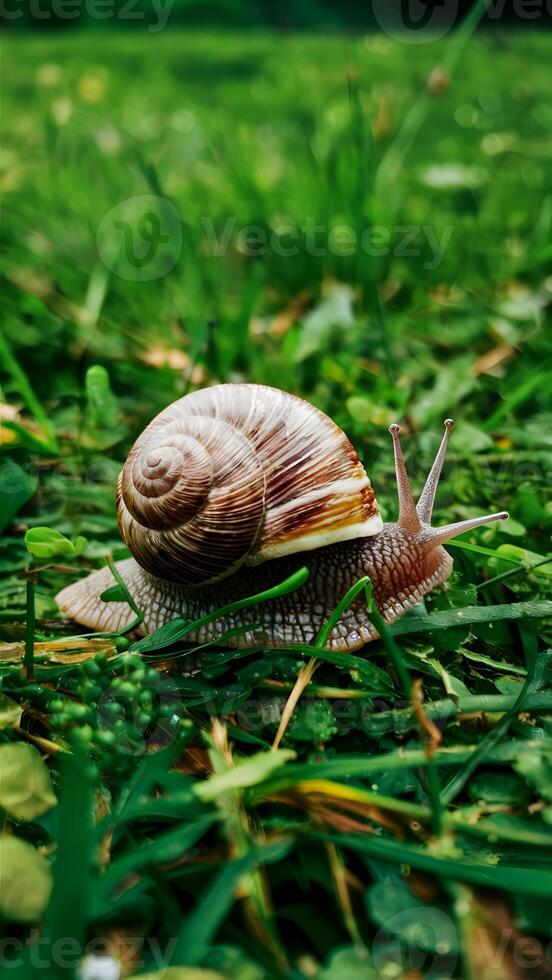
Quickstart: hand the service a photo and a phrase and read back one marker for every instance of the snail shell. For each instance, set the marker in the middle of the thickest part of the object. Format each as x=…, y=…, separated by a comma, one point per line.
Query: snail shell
x=239, y=473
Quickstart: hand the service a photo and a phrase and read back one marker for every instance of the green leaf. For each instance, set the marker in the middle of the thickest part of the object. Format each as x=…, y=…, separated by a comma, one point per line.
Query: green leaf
x=312, y=721
x=536, y=768
x=527, y=558
x=45, y=542
x=534, y=381
x=233, y=964
x=115, y=593
x=163, y=637
x=334, y=310
x=25, y=789
x=33, y=440
x=369, y=675
x=496, y=665
x=25, y=881
x=361, y=408
x=497, y=788
x=79, y=544
x=16, y=488
x=478, y=549
x=101, y=402
x=435, y=400
x=248, y=772
x=346, y=962
x=471, y=439
x=10, y=712
x=391, y=905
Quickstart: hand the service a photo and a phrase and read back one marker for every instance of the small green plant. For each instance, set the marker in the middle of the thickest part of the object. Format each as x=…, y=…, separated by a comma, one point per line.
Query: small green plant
x=43, y=544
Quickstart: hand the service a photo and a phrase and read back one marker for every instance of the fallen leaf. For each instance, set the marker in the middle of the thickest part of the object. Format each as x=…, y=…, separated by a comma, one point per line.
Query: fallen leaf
x=490, y=360
x=285, y=319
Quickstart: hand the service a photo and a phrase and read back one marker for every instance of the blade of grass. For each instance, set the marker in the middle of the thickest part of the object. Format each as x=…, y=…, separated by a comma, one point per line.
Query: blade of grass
x=69, y=909
x=393, y=651
x=459, y=820
x=128, y=598
x=401, y=720
x=359, y=767
x=123, y=595
x=533, y=682
x=179, y=628
x=304, y=676
x=25, y=389
x=29, y=626
x=338, y=871
x=478, y=549
x=526, y=568
x=170, y=845
x=413, y=692
x=470, y=616
x=532, y=882
x=535, y=381
x=201, y=927
x=220, y=640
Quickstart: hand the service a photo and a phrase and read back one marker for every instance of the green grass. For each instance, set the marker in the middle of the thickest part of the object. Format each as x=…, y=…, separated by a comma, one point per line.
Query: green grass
x=361, y=842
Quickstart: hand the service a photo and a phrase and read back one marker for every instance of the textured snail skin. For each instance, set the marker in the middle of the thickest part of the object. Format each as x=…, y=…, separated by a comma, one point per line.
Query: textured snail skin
x=403, y=567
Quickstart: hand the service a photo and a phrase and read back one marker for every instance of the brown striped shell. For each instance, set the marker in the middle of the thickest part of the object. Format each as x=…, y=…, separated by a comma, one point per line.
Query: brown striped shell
x=239, y=473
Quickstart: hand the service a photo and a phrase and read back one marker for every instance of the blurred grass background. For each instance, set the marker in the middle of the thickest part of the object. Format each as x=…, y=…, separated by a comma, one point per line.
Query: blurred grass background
x=248, y=130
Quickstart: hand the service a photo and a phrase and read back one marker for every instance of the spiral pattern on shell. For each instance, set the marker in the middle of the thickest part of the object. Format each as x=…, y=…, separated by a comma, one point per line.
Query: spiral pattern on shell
x=238, y=473
x=191, y=482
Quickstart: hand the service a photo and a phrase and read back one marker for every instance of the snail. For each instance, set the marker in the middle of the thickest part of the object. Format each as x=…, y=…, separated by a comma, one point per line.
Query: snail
x=230, y=490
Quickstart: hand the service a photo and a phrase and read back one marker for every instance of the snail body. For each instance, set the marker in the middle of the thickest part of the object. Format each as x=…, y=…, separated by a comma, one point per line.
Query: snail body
x=233, y=488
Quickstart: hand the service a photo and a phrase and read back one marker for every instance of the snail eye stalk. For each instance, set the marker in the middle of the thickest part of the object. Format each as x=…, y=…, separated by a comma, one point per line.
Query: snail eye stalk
x=408, y=517
x=413, y=516
x=438, y=535
x=424, y=506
